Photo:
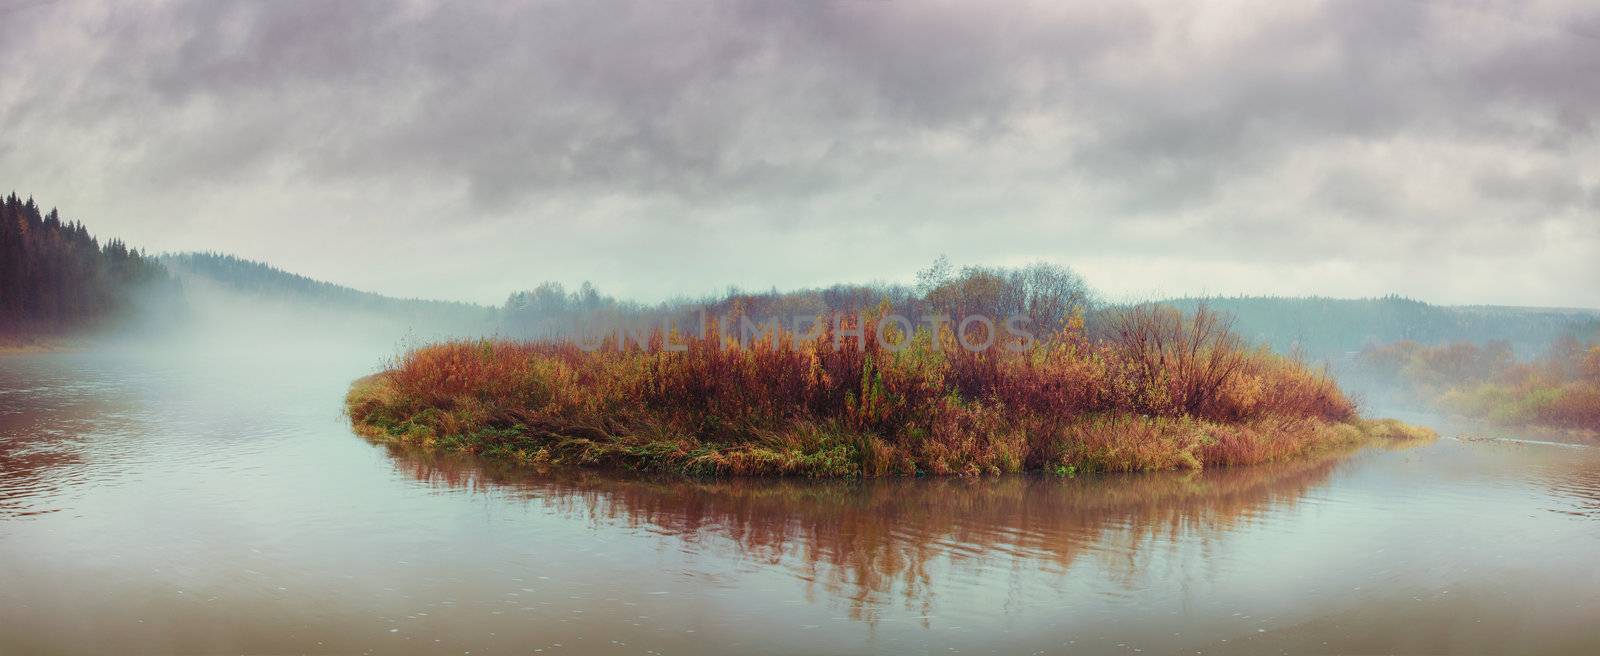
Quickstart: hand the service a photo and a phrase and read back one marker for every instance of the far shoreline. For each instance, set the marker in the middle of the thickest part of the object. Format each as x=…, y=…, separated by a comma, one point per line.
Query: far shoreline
x=37, y=345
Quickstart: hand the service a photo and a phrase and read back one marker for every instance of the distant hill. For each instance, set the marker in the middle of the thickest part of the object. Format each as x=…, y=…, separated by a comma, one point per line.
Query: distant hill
x=57, y=280
x=267, y=289
x=1332, y=328
x=1320, y=328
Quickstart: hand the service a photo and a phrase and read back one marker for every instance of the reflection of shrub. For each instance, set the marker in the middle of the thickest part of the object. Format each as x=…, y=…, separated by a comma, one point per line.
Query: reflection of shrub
x=1163, y=391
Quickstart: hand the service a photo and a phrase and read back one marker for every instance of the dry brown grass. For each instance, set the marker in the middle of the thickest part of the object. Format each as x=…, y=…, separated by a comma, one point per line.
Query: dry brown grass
x=1164, y=391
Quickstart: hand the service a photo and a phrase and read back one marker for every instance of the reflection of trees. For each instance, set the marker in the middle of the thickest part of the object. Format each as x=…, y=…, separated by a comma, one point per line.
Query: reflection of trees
x=43, y=417
x=859, y=540
x=29, y=469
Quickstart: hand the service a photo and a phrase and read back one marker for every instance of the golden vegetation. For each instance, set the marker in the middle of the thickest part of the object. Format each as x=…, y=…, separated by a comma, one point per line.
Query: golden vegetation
x=1560, y=389
x=1154, y=389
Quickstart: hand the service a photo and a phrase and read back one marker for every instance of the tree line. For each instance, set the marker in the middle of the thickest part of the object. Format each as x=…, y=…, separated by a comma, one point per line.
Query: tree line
x=266, y=284
x=57, y=278
x=1337, y=328
x=1046, y=295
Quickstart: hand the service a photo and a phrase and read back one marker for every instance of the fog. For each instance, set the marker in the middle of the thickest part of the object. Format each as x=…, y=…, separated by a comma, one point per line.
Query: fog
x=1389, y=353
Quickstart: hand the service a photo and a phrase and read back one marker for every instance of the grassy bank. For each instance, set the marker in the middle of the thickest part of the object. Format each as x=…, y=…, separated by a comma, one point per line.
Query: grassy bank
x=1159, y=390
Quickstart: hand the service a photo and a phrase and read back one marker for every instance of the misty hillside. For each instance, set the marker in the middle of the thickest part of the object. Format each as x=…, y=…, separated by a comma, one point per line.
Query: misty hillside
x=261, y=289
x=269, y=282
x=57, y=279
x=1333, y=328
x=1320, y=328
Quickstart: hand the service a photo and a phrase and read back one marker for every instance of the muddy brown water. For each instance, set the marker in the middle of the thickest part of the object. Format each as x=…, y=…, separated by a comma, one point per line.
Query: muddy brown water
x=220, y=504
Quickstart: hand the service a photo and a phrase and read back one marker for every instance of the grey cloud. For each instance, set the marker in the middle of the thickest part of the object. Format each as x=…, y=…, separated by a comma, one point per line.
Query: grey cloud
x=1269, y=133
x=713, y=99
x=1547, y=189
x=1360, y=196
x=691, y=99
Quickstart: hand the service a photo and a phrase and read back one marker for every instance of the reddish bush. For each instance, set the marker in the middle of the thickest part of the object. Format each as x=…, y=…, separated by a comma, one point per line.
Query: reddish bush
x=1166, y=390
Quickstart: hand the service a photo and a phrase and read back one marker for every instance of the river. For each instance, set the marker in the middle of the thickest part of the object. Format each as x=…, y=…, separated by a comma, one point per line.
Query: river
x=211, y=503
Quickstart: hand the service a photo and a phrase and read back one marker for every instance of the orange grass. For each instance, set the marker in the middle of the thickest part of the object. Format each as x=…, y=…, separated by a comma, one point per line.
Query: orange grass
x=1158, y=391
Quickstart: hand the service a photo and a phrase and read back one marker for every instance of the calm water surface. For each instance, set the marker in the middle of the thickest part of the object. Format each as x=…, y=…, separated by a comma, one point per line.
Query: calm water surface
x=211, y=504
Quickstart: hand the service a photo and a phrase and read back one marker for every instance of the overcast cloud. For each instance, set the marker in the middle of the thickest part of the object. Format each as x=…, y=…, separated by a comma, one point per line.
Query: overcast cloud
x=1442, y=150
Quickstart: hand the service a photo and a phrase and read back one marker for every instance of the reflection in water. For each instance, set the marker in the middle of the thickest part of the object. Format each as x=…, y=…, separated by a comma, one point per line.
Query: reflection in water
x=1582, y=485
x=31, y=468
x=218, y=503
x=46, y=414
x=863, y=539
x=71, y=424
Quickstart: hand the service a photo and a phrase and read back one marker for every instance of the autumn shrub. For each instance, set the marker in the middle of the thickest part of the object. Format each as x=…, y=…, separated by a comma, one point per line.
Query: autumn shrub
x=1560, y=388
x=1163, y=390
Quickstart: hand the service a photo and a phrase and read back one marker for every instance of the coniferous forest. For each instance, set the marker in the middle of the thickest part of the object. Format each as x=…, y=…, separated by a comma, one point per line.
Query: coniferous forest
x=56, y=278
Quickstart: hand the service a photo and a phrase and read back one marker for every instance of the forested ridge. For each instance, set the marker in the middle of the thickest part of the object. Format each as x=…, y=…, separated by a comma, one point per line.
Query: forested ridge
x=1336, y=328
x=266, y=282
x=57, y=278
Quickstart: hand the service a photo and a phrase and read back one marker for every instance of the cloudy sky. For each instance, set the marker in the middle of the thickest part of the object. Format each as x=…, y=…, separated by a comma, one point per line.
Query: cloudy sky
x=1445, y=150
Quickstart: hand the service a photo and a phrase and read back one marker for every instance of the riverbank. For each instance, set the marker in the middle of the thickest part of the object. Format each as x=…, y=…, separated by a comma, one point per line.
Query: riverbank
x=1098, y=443
x=26, y=344
x=1167, y=393
x=1558, y=391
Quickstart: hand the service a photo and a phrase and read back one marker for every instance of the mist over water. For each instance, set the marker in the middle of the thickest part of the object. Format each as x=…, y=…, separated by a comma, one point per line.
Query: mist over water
x=304, y=306
x=209, y=496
